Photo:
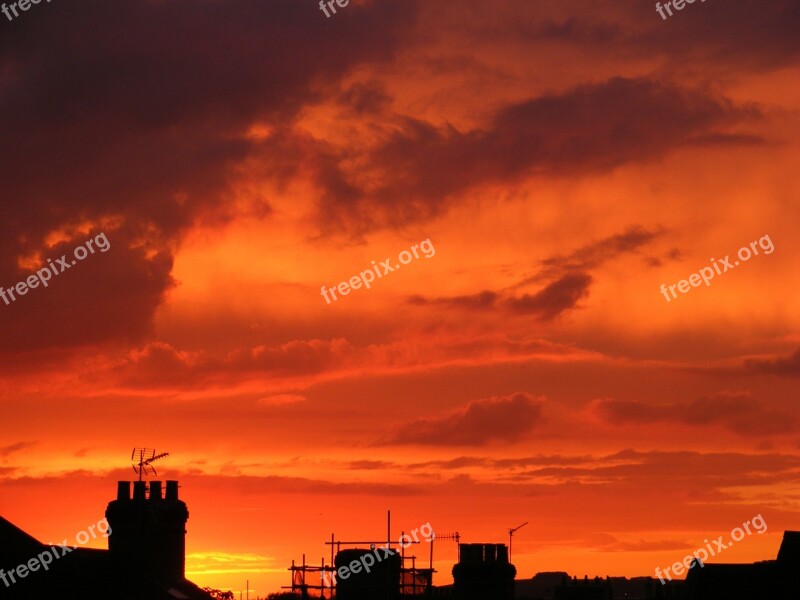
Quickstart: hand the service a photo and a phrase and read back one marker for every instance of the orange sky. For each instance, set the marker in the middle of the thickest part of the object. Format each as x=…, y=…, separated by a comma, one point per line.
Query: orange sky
x=564, y=160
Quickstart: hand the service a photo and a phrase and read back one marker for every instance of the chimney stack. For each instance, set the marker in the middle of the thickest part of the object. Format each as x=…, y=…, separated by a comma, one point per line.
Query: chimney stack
x=484, y=573
x=149, y=535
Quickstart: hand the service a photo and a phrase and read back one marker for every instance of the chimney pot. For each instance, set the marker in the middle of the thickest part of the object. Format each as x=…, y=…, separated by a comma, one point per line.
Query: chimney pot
x=172, y=490
x=139, y=489
x=123, y=490
x=155, y=490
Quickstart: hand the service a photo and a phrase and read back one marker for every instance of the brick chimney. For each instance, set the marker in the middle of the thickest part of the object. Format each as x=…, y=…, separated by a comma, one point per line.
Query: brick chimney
x=148, y=530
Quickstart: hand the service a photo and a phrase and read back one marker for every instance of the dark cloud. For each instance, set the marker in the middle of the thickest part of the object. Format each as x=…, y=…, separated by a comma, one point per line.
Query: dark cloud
x=501, y=464
x=504, y=419
x=161, y=364
x=301, y=485
x=14, y=448
x=461, y=462
x=588, y=129
x=485, y=300
x=597, y=253
x=555, y=298
x=784, y=367
x=368, y=97
x=739, y=35
x=674, y=470
x=233, y=482
x=719, y=37
x=134, y=113
x=737, y=412
x=566, y=279
x=578, y=30
x=109, y=295
x=548, y=303
x=370, y=465
x=610, y=543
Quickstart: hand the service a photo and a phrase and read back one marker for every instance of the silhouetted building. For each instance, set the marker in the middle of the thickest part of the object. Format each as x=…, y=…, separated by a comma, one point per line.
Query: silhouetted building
x=556, y=585
x=541, y=586
x=483, y=573
x=584, y=589
x=766, y=580
x=382, y=582
x=645, y=588
x=145, y=559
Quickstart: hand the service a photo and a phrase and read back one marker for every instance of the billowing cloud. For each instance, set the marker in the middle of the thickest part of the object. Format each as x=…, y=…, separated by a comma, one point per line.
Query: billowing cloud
x=165, y=364
x=555, y=298
x=588, y=129
x=546, y=304
x=597, y=253
x=707, y=34
x=562, y=280
x=503, y=419
x=128, y=119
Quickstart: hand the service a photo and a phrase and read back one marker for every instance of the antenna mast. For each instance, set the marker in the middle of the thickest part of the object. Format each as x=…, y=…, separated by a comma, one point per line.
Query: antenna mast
x=450, y=536
x=145, y=457
x=511, y=533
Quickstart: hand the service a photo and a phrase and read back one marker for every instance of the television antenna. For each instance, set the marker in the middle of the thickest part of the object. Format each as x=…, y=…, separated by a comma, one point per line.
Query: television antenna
x=145, y=458
x=449, y=536
x=511, y=533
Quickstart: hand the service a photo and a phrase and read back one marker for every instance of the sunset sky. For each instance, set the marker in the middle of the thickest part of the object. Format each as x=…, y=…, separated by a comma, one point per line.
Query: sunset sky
x=564, y=160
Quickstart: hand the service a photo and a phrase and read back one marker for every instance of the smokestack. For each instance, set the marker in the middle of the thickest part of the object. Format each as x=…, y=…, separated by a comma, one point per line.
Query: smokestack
x=172, y=490
x=123, y=490
x=155, y=490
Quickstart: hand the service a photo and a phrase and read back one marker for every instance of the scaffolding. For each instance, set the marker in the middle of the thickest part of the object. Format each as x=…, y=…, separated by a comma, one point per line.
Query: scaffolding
x=300, y=573
x=413, y=581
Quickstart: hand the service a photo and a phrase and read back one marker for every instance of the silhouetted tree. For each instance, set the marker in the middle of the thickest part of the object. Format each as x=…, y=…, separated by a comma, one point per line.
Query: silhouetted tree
x=219, y=594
